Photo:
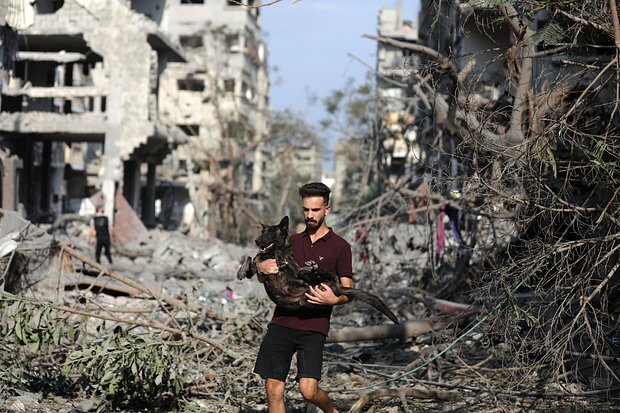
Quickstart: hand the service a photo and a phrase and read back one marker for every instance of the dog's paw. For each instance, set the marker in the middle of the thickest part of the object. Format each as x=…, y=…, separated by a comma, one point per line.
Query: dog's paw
x=245, y=271
x=312, y=265
x=282, y=264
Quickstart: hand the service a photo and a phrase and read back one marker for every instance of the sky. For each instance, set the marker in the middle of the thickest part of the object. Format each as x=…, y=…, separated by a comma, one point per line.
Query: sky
x=309, y=43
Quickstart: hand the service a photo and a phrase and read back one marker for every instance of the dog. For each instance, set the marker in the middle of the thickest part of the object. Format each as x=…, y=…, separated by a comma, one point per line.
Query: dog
x=288, y=288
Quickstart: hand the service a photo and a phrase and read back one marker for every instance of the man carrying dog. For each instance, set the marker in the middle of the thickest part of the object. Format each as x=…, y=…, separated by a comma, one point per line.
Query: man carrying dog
x=304, y=331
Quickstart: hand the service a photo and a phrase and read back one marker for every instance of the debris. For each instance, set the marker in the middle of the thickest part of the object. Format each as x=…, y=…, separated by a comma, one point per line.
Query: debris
x=400, y=331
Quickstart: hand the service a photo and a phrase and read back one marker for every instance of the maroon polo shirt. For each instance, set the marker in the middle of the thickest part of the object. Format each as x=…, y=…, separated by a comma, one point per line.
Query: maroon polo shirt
x=332, y=253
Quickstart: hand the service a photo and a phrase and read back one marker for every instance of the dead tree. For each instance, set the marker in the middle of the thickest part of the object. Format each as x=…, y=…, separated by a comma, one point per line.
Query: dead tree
x=543, y=162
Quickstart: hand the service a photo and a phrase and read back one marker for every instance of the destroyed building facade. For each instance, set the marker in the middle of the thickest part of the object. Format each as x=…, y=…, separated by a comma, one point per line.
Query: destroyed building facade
x=396, y=68
x=81, y=108
x=220, y=96
x=99, y=95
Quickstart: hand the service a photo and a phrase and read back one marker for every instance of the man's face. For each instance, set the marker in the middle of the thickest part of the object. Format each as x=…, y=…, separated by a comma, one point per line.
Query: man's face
x=315, y=211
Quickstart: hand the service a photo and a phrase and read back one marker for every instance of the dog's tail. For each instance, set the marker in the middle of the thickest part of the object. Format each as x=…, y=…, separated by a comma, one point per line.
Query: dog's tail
x=370, y=299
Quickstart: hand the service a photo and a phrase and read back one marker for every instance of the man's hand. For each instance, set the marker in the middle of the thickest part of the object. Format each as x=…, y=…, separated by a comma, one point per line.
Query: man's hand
x=322, y=294
x=268, y=267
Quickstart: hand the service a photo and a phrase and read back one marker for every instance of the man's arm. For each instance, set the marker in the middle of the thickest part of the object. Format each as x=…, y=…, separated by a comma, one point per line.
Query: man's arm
x=91, y=232
x=268, y=267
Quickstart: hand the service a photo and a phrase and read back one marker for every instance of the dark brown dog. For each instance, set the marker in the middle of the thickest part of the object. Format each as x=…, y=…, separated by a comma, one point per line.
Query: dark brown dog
x=288, y=288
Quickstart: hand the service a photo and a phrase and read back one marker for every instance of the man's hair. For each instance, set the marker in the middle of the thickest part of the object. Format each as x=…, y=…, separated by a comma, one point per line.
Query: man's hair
x=315, y=189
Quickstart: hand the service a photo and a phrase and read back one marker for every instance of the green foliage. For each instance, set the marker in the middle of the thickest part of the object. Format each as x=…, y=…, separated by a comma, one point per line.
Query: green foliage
x=550, y=34
x=35, y=326
x=490, y=3
x=120, y=369
x=125, y=367
x=353, y=117
x=333, y=101
x=604, y=161
x=351, y=109
x=290, y=132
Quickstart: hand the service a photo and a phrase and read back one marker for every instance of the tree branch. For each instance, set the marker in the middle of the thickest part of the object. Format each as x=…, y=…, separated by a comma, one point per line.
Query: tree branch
x=445, y=63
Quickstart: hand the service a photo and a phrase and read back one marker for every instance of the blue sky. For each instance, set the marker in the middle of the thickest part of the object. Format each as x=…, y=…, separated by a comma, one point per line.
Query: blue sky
x=309, y=42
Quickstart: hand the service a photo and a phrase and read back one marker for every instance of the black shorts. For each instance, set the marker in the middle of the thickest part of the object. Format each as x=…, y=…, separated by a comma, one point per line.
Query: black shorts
x=277, y=349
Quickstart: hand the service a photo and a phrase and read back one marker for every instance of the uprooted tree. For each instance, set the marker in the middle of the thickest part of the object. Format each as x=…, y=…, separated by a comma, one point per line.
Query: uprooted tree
x=537, y=159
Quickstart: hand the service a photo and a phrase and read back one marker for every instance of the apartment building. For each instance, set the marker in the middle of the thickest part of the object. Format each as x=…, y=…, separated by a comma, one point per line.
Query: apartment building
x=220, y=96
x=396, y=70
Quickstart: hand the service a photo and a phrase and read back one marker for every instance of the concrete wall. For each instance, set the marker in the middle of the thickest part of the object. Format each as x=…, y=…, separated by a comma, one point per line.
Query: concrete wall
x=129, y=84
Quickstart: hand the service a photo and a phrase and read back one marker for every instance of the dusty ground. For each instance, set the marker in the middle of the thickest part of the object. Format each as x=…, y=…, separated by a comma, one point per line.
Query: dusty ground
x=202, y=273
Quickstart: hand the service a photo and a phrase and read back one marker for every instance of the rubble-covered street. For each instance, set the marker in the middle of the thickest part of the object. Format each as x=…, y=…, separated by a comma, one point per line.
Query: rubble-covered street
x=169, y=325
x=185, y=182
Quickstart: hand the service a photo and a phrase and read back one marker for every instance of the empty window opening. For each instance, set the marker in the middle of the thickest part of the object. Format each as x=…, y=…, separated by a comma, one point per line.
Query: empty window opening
x=191, y=42
x=190, y=130
x=191, y=84
x=232, y=42
x=229, y=85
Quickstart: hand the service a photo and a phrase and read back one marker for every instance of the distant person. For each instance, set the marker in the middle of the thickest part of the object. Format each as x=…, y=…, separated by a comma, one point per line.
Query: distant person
x=101, y=228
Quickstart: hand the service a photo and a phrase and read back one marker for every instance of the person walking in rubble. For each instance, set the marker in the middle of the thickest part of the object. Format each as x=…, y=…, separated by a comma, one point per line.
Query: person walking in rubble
x=304, y=331
x=101, y=228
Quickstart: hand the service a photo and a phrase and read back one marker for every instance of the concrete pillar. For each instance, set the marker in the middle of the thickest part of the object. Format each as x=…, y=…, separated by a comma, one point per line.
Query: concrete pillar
x=10, y=182
x=148, y=203
x=45, y=176
x=257, y=169
x=108, y=188
x=131, y=183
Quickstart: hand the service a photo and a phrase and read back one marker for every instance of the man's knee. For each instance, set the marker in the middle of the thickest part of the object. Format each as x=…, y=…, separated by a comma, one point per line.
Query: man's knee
x=274, y=389
x=309, y=388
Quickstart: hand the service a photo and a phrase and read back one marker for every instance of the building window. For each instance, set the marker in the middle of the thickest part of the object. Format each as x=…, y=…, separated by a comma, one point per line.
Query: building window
x=190, y=130
x=247, y=92
x=232, y=42
x=191, y=42
x=229, y=85
x=191, y=84
x=192, y=1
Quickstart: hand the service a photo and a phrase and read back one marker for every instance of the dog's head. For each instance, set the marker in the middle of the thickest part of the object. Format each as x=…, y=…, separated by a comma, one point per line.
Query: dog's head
x=273, y=237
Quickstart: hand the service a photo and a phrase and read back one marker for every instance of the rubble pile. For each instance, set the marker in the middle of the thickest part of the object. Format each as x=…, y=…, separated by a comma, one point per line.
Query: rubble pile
x=168, y=326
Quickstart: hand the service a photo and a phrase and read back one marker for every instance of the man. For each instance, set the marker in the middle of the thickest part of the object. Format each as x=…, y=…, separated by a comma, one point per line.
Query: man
x=304, y=331
x=101, y=228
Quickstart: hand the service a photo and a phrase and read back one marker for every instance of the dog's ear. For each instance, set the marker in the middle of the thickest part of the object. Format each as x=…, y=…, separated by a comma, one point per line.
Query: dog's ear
x=284, y=224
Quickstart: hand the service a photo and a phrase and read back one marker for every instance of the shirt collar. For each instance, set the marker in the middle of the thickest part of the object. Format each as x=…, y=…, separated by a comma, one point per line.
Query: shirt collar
x=325, y=237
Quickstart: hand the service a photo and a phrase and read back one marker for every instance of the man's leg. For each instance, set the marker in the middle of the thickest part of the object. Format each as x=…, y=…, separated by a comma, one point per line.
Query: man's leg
x=98, y=247
x=273, y=363
x=309, y=364
x=108, y=255
x=275, y=395
x=312, y=393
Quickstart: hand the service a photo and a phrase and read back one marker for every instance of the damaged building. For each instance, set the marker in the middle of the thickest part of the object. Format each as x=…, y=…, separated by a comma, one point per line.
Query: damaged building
x=219, y=98
x=398, y=102
x=80, y=112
